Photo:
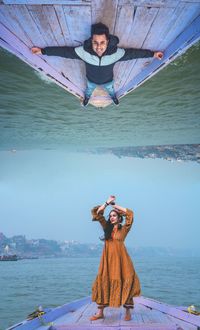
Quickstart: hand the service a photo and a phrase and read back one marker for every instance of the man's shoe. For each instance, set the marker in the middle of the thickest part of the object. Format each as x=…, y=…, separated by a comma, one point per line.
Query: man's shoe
x=85, y=101
x=115, y=100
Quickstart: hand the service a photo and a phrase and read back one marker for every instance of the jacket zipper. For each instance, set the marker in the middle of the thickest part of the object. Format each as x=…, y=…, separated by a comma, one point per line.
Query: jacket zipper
x=99, y=61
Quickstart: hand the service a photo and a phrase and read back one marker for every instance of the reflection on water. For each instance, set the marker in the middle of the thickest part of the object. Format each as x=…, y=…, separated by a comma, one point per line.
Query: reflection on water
x=27, y=284
x=37, y=114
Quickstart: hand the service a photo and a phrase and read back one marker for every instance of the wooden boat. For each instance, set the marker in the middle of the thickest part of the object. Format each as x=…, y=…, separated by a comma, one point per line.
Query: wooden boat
x=168, y=25
x=13, y=257
x=148, y=314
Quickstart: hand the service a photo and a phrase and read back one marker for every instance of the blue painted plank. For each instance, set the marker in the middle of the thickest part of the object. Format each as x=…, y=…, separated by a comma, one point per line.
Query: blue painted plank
x=141, y=25
x=54, y=24
x=54, y=314
x=27, y=23
x=78, y=22
x=184, y=16
x=40, y=19
x=156, y=34
x=157, y=3
x=127, y=327
x=74, y=69
x=47, y=2
x=125, y=18
x=9, y=19
x=36, y=61
x=170, y=310
x=181, y=44
x=70, y=68
x=164, y=30
x=105, y=12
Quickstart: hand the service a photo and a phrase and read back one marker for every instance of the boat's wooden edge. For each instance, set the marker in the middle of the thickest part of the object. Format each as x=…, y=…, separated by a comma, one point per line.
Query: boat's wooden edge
x=179, y=46
x=189, y=36
x=57, y=312
x=170, y=310
x=51, y=315
x=147, y=3
x=158, y=326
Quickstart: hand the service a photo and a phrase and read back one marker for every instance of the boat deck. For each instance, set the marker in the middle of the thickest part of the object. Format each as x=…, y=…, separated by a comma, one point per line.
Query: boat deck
x=170, y=25
x=148, y=314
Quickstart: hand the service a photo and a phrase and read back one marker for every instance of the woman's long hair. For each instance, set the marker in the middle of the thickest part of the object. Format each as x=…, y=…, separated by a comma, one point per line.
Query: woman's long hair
x=109, y=227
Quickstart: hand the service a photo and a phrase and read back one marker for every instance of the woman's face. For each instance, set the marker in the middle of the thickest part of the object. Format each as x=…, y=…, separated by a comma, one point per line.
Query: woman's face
x=114, y=218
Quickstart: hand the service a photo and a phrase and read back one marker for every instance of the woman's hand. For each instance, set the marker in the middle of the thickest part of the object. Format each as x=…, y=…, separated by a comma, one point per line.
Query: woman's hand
x=111, y=199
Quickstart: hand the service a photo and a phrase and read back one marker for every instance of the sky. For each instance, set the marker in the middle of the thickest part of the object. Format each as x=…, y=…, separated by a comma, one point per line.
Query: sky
x=49, y=194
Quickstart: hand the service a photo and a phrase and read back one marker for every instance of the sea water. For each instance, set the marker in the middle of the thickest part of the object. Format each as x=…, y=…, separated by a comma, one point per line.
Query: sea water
x=27, y=284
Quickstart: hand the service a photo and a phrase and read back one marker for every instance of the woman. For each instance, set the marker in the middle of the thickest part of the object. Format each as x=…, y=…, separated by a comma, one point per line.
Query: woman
x=116, y=283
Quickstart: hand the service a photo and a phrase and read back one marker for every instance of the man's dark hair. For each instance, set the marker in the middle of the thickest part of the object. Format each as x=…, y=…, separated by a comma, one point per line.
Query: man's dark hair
x=99, y=28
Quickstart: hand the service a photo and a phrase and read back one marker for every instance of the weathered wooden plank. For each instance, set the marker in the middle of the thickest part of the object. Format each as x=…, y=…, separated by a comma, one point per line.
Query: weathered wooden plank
x=47, y=2
x=187, y=38
x=71, y=69
x=24, y=25
x=78, y=22
x=160, y=28
x=9, y=18
x=54, y=314
x=157, y=32
x=143, y=19
x=165, y=22
x=124, y=14
x=105, y=12
x=182, y=324
x=37, y=62
x=85, y=318
x=73, y=317
x=170, y=310
x=63, y=25
x=129, y=327
x=156, y=3
x=54, y=23
x=37, y=36
x=141, y=3
x=183, y=17
x=41, y=21
x=28, y=25
x=112, y=316
x=77, y=68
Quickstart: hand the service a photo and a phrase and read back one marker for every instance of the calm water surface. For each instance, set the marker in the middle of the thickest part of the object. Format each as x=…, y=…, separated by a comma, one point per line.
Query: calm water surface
x=38, y=114
x=26, y=284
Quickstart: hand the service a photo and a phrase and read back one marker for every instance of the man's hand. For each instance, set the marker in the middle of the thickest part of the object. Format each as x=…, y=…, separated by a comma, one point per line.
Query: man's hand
x=158, y=55
x=36, y=50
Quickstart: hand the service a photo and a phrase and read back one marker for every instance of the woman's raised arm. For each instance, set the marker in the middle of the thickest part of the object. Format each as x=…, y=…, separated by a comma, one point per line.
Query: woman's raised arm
x=110, y=200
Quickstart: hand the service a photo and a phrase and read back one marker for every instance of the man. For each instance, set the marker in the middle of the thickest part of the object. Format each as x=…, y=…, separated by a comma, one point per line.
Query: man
x=100, y=53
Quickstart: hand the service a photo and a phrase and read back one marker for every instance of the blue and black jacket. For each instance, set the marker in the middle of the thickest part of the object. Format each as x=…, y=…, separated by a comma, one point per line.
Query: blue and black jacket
x=99, y=69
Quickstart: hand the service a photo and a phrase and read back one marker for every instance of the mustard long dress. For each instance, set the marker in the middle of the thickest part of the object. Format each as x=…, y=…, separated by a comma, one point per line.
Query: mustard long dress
x=117, y=282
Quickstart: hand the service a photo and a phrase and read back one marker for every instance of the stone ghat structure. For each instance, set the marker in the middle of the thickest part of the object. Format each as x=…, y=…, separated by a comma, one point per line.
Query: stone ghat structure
x=168, y=25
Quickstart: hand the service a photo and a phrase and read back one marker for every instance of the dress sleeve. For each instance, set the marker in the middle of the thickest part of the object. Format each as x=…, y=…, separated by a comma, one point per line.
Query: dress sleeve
x=98, y=217
x=129, y=220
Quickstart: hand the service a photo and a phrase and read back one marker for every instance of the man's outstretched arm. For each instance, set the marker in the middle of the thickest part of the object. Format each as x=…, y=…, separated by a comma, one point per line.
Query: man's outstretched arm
x=67, y=52
x=133, y=53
